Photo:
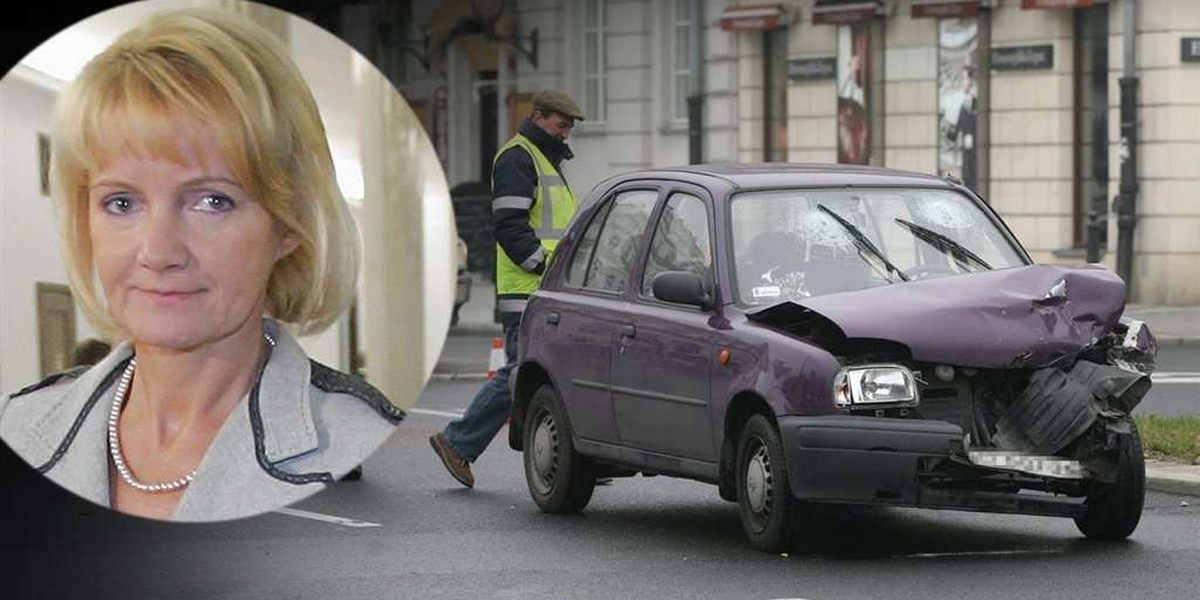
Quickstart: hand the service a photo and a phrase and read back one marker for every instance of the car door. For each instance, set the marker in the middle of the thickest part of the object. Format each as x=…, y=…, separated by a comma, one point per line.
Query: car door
x=586, y=313
x=663, y=355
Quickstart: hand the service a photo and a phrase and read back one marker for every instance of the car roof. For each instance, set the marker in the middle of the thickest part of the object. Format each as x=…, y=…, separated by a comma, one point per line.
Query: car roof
x=775, y=175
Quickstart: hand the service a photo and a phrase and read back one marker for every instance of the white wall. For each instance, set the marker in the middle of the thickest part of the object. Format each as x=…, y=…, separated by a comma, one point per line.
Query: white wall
x=29, y=243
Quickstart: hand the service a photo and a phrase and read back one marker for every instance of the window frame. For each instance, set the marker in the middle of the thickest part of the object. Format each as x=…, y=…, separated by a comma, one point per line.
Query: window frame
x=666, y=193
x=606, y=206
x=673, y=90
x=595, y=114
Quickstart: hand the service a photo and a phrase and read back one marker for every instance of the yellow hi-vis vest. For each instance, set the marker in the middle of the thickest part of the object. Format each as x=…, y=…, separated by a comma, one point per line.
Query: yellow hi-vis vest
x=553, y=207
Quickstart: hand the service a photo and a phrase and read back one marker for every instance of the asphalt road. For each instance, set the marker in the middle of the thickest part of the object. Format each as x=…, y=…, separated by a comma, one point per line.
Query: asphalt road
x=1176, y=388
x=420, y=535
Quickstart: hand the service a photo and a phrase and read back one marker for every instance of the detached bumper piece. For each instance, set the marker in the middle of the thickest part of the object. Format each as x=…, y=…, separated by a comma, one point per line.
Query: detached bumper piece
x=911, y=462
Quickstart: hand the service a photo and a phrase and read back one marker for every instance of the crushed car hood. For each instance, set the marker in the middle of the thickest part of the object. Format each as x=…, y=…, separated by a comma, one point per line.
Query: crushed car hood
x=1024, y=317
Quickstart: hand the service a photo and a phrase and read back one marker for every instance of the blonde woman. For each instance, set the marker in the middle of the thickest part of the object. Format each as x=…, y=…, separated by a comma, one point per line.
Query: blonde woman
x=199, y=211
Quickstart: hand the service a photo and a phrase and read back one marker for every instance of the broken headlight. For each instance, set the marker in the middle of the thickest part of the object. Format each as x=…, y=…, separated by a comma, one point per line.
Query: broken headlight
x=891, y=385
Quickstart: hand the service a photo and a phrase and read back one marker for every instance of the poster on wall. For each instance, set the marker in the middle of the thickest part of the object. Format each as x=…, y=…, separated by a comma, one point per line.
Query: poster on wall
x=958, y=94
x=853, y=73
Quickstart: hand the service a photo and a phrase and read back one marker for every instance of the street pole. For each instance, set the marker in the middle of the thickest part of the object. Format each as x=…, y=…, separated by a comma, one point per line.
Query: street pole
x=695, y=101
x=1126, y=202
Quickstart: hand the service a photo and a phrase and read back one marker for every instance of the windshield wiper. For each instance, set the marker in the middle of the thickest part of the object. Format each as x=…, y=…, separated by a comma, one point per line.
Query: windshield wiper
x=866, y=250
x=961, y=255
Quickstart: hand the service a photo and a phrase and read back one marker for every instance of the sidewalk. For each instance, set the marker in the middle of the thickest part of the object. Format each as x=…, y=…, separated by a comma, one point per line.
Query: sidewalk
x=462, y=362
x=1170, y=324
x=476, y=316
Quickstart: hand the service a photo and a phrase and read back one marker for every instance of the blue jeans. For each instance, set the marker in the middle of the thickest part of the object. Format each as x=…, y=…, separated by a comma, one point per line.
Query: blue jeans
x=470, y=435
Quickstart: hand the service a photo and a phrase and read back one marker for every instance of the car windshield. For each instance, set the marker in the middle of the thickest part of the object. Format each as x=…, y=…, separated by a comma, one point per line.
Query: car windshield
x=794, y=244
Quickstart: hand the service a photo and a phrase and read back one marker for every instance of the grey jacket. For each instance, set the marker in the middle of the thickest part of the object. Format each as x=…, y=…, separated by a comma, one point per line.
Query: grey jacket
x=301, y=426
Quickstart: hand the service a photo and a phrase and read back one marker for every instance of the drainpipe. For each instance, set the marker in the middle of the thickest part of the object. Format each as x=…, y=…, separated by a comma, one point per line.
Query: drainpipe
x=695, y=101
x=1125, y=204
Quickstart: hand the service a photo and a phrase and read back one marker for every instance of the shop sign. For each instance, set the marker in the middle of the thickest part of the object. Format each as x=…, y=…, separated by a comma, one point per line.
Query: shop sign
x=808, y=69
x=844, y=12
x=752, y=17
x=1020, y=58
x=1057, y=3
x=1189, y=50
x=945, y=9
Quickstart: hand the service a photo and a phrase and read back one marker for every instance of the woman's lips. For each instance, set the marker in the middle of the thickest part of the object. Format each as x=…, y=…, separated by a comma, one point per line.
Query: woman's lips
x=170, y=295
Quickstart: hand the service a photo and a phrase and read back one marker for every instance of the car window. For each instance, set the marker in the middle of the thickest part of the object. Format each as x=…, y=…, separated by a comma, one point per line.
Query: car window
x=793, y=244
x=680, y=242
x=616, y=248
x=587, y=245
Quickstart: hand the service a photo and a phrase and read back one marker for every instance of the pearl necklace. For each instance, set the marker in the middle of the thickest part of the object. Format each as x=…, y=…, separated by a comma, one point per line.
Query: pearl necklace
x=114, y=440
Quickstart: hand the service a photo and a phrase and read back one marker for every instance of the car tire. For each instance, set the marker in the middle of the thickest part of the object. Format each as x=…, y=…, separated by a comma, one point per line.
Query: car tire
x=1113, y=510
x=560, y=479
x=768, y=511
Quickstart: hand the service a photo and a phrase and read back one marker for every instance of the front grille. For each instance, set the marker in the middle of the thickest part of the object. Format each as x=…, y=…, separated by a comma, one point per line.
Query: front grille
x=946, y=401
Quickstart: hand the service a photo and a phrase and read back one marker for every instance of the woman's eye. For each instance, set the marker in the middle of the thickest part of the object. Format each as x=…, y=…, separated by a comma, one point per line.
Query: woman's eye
x=215, y=203
x=118, y=205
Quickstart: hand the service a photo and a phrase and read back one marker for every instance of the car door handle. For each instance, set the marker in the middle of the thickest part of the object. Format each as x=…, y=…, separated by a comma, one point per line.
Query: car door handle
x=553, y=318
x=628, y=331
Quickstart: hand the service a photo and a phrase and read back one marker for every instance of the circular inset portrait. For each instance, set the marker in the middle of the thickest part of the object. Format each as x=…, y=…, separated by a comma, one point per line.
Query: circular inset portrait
x=228, y=259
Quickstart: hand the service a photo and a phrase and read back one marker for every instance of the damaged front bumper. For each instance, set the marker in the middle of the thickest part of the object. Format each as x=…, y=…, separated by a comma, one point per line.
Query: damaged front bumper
x=1059, y=434
x=849, y=459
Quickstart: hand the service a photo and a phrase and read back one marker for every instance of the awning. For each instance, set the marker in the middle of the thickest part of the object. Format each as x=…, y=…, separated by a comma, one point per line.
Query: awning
x=845, y=12
x=752, y=17
x=945, y=8
x=1057, y=3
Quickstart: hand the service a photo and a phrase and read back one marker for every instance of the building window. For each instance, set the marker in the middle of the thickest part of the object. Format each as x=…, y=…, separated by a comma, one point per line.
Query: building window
x=684, y=21
x=594, y=88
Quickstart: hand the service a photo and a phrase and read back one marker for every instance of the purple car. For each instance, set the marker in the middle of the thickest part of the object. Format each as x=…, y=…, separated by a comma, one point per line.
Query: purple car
x=827, y=334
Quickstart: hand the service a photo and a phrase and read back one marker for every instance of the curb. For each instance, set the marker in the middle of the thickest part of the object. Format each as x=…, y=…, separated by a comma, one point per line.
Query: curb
x=1173, y=478
x=1177, y=340
x=492, y=329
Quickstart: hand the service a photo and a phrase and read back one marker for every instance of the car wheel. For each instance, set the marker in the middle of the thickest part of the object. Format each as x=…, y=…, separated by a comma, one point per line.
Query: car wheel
x=1113, y=510
x=560, y=479
x=765, y=502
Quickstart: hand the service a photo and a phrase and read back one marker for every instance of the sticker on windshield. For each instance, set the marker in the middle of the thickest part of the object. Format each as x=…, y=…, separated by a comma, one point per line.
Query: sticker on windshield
x=766, y=291
x=943, y=212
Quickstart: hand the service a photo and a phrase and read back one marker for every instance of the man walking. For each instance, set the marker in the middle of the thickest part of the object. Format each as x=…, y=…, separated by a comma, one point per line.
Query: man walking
x=531, y=207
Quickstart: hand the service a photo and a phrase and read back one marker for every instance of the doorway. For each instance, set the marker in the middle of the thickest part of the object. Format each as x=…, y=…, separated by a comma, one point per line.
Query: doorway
x=56, y=327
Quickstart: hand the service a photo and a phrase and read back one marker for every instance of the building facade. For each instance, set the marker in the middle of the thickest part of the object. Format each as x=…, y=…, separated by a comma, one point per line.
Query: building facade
x=1018, y=98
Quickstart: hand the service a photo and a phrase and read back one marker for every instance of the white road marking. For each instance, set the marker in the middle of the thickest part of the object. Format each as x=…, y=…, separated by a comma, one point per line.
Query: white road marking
x=982, y=553
x=437, y=413
x=304, y=514
x=459, y=377
x=1175, y=378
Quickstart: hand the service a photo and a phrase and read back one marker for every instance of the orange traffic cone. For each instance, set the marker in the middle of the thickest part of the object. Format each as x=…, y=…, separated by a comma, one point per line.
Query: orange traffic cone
x=496, y=360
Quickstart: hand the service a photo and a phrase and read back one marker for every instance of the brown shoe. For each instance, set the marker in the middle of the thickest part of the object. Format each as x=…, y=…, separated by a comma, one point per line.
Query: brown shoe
x=455, y=463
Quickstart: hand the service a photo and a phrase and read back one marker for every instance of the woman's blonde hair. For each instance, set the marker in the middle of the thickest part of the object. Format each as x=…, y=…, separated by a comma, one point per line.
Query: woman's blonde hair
x=217, y=73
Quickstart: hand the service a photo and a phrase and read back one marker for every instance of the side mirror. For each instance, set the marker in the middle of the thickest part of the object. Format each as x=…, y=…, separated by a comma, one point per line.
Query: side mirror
x=683, y=287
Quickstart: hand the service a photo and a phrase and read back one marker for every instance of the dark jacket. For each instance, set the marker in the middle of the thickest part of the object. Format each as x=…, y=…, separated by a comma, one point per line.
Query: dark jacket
x=515, y=175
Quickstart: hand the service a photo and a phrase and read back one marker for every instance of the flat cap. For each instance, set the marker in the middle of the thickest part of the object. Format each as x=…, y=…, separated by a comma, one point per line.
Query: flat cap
x=555, y=101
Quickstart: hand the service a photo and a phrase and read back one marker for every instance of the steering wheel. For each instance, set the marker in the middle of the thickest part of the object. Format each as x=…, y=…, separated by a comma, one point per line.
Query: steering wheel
x=922, y=271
